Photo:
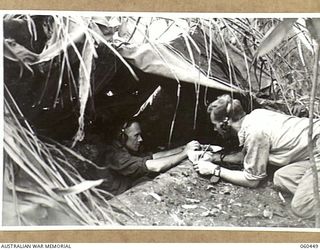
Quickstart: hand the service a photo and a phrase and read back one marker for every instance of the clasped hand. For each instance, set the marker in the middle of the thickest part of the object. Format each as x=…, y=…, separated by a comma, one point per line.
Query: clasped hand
x=195, y=156
x=201, y=159
x=205, y=167
x=192, y=146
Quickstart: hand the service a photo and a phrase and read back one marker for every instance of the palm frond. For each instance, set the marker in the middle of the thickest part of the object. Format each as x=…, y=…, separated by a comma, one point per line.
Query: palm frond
x=84, y=87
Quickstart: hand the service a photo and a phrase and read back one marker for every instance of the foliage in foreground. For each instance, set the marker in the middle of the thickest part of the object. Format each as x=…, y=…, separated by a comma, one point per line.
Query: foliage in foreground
x=38, y=177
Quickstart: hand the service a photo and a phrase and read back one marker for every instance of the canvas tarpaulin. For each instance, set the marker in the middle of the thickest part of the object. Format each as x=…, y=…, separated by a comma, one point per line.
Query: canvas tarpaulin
x=165, y=62
x=152, y=55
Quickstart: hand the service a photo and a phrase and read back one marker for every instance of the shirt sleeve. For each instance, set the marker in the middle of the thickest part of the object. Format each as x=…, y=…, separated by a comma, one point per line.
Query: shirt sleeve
x=129, y=165
x=256, y=149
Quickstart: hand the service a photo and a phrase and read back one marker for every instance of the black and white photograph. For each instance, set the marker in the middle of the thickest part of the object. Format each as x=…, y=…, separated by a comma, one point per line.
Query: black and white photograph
x=154, y=120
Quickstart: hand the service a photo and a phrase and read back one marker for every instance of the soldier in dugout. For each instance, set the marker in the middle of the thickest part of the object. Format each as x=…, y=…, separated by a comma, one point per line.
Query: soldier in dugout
x=125, y=164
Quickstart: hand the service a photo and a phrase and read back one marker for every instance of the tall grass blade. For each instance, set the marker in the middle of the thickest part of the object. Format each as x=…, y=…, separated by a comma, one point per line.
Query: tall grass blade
x=79, y=188
x=102, y=39
x=274, y=37
x=84, y=88
x=149, y=101
x=174, y=115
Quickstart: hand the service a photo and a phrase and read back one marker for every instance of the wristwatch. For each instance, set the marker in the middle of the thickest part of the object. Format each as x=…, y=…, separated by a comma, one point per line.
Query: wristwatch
x=216, y=175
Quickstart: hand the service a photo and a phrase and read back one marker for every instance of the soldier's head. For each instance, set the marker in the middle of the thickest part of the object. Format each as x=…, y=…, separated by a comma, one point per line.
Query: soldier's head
x=223, y=112
x=130, y=135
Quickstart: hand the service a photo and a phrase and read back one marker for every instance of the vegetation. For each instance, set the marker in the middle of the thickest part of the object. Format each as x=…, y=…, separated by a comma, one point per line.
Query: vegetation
x=277, y=60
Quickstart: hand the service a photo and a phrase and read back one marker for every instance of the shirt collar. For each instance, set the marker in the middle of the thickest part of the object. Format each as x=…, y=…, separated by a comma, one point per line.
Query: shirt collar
x=242, y=131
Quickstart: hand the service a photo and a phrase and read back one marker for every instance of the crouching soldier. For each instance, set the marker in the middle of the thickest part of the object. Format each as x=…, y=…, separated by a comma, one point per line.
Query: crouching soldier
x=268, y=137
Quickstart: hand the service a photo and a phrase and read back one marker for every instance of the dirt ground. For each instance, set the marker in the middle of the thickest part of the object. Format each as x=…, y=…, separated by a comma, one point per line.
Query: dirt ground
x=180, y=197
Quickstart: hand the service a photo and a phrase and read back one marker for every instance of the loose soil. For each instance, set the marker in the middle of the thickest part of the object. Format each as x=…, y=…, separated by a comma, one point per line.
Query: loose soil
x=180, y=197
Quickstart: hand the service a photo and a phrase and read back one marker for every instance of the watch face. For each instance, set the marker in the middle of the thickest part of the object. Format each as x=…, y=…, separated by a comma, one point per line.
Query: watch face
x=217, y=171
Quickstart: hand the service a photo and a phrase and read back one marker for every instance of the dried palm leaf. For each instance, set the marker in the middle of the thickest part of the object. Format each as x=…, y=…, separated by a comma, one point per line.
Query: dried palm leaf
x=48, y=181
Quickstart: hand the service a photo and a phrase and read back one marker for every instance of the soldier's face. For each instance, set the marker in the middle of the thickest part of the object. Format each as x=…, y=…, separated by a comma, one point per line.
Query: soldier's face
x=217, y=125
x=134, y=140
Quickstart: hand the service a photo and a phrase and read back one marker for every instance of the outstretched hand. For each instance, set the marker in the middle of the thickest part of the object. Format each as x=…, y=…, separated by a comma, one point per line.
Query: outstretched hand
x=195, y=155
x=193, y=145
x=205, y=167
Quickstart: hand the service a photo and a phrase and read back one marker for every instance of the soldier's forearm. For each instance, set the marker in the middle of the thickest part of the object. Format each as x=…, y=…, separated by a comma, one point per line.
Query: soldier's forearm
x=232, y=158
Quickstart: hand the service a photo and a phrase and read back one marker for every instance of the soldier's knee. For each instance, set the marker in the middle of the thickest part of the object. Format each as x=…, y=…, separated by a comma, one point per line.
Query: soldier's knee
x=278, y=179
x=304, y=208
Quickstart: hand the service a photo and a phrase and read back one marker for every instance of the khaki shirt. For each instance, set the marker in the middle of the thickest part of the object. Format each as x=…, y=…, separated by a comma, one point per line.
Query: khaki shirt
x=271, y=137
x=121, y=168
